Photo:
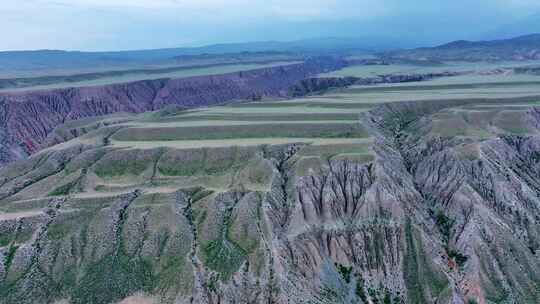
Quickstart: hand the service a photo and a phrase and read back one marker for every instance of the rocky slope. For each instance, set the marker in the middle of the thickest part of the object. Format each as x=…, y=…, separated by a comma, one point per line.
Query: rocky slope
x=432, y=219
x=27, y=118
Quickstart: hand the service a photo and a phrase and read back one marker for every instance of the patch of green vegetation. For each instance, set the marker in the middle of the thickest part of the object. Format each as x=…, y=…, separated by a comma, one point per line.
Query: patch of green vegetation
x=68, y=280
x=113, y=278
x=200, y=216
x=5, y=239
x=92, y=204
x=243, y=231
x=374, y=295
x=10, y=255
x=256, y=172
x=421, y=279
x=335, y=130
x=42, y=289
x=182, y=163
x=23, y=235
x=68, y=224
x=65, y=189
x=163, y=236
x=204, y=161
x=243, y=239
x=445, y=225
x=84, y=160
x=213, y=283
x=58, y=231
x=122, y=163
x=124, y=167
x=171, y=278
x=217, y=163
x=250, y=117
x=472, y=301
x=359, y=290
x=224, y=257
x=387, y=298
x=345, y=272
x=223, y=254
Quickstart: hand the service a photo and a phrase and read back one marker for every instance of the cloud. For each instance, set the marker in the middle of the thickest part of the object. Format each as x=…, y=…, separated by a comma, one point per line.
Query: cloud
x=114, y=24
x=158, y=3
x=327, y=10
x=289, y=9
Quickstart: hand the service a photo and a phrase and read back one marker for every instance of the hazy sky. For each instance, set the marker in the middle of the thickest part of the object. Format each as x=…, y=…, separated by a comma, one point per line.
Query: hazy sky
x=136, y=24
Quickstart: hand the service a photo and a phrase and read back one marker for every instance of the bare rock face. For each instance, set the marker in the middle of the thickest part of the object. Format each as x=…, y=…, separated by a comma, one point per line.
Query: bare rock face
x=477, y=205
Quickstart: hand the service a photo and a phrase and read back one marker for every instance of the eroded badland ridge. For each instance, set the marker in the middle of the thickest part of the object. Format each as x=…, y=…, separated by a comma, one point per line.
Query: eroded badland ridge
x=395, y=183
x=429, y=220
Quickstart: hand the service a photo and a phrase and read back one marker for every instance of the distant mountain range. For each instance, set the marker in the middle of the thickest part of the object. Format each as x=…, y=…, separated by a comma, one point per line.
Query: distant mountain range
x=520, y=48
x=57, y=59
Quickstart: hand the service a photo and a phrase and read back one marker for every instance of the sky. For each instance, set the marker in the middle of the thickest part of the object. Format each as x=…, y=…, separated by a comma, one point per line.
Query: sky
x=146, y=24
